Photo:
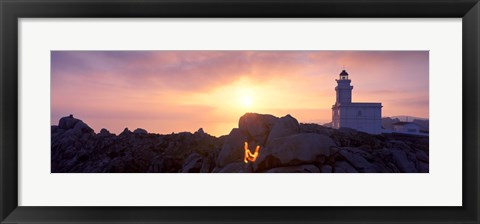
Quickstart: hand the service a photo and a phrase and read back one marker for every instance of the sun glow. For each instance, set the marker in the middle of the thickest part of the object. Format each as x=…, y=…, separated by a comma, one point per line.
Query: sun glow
x=247, y=101
x=228, y=102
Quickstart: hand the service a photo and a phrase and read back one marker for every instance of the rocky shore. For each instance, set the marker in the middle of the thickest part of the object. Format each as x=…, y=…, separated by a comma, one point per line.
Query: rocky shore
x=286, y=146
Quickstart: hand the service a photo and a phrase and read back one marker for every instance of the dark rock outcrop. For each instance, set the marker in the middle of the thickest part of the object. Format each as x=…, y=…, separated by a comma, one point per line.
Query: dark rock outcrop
x=77, y=149
x=285, y=126
x=292, y=150
x=257, y=126
x=140, y=131
x=285, y=146
x=232, y=149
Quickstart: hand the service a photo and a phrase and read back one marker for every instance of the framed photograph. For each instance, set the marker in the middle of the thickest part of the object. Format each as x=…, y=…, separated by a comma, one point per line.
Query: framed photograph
x=202, y=109
x=251, y=112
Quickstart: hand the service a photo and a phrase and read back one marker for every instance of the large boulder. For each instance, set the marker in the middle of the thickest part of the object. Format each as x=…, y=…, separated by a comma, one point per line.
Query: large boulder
x=284, y=126
x=67, y=122
x=140, y=131
x=233, y=148
x=293, y=150
x=257, y=126
x=76, y=126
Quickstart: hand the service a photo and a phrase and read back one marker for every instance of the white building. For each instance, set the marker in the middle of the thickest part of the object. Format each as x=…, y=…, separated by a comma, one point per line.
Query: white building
x=366, y=117
x=406, y=127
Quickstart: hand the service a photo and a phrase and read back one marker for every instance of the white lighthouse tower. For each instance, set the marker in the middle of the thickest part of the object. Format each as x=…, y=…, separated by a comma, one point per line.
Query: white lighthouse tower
x=366, y=117
x=343, y=89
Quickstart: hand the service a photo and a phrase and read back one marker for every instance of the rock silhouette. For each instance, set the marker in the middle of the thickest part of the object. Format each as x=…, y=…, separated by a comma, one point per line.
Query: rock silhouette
x=286, y=146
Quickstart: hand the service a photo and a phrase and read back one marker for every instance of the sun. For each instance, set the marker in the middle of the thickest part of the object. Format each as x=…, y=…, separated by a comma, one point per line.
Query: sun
x=247, y=101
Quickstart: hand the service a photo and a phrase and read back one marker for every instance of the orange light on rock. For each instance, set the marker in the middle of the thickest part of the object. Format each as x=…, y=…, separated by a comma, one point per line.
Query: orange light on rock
x=249, y=156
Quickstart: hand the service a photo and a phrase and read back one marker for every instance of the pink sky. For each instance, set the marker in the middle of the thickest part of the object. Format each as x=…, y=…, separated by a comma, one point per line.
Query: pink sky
x=174, y=91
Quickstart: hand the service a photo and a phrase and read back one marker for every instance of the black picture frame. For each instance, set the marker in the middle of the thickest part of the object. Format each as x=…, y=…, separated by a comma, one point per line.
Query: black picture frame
x=12, y=10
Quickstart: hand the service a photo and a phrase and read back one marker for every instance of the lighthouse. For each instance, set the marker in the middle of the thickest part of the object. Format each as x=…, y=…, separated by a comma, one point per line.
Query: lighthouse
x=366, y=117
